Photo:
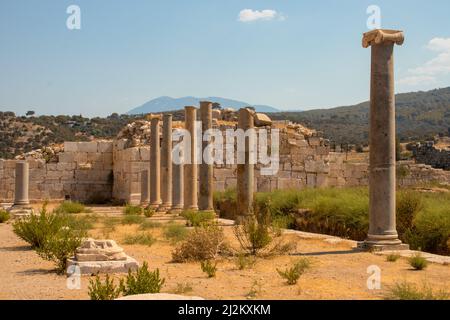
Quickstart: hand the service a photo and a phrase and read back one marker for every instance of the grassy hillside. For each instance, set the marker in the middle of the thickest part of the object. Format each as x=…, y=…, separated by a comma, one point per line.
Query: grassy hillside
x=420, y=116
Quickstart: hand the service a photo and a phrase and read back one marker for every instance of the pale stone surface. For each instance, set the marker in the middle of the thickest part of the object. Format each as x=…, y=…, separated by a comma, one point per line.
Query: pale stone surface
x=101, y=256
x=262, y=119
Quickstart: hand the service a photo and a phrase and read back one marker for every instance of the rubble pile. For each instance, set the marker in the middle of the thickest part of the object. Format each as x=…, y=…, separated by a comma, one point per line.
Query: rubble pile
x=136, y=133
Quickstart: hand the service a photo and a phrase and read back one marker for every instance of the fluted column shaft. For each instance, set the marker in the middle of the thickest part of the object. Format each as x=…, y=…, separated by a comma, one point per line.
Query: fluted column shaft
x=155, y=165
x=166, y=163
x=205, y=200
x=190, y=168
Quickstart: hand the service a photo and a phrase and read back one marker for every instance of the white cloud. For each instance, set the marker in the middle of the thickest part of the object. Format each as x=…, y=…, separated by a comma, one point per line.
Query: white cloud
x=249, y=15
x=429, y=72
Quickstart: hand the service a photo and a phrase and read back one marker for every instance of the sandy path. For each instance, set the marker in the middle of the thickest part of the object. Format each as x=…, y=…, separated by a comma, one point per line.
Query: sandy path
x=338, y=271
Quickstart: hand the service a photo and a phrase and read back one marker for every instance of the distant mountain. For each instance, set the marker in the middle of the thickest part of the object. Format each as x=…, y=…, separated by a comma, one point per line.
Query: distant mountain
x=163, y=104
x=419, y=115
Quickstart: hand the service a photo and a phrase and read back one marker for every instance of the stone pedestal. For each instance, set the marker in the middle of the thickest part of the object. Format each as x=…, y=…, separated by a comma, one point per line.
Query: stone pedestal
x=155, y=164
x=101, y=256
x=245, y=172
x=382, y=224
x=21, y=205
x=166, y=164
x=205, y=200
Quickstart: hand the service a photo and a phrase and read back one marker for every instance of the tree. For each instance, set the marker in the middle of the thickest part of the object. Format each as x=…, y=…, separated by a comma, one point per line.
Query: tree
x=30, y=113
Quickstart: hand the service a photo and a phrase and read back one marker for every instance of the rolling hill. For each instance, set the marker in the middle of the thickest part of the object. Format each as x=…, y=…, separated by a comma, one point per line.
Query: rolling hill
x=419, y=116
x=164, y=104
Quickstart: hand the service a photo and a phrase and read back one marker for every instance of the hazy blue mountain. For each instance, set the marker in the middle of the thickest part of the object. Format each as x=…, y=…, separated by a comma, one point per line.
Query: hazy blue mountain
x=165, y=103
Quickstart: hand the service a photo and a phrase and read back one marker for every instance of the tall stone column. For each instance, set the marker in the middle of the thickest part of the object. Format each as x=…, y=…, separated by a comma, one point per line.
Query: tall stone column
x=190, y=168
x=245, y=172
x=205, y=200
x=155, y=164
x=166, y=164
x=178, y=185
x=21, y=205
x=382, y=225
x=21, y=184
x=145, y=188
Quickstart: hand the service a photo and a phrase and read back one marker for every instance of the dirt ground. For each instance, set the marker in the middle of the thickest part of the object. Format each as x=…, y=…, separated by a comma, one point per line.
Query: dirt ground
x=338, y=271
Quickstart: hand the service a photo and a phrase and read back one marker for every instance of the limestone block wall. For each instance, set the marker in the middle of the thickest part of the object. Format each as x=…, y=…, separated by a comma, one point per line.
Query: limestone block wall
x=128, y=166
x=83, y=173
x=428, y=154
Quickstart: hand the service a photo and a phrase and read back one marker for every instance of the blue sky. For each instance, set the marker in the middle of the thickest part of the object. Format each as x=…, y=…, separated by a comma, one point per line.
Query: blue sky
x=309, y=55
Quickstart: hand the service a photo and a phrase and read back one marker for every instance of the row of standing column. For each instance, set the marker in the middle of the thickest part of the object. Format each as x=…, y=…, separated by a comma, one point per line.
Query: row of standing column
x=171, y=186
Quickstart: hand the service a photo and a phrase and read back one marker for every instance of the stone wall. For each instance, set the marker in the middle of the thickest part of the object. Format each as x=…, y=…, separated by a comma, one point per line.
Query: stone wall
x=128, y=166
x=88, y=171
x=428, y=154
x=83, y=172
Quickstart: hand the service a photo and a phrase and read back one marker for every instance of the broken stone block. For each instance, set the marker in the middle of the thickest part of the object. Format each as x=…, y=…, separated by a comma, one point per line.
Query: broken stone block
x=101, y=256
x=262, y=120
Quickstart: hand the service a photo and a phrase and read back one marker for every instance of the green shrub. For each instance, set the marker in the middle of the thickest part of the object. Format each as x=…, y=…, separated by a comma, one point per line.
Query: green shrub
x=35, y=229
x=175, y=232
x=209, y=268
x=70, y=207
x=148, y=224
x=392, y=257
x=4, y=216
x=99, y=290
x=132, y=219
x=198, y=218
x=202, y=243
x=141, y=281
x=244, y=262
x=149, y=212
x=418, y=262
x=144, y=239
x=253, y=236
x=130, y=210
x=183, y=288
x=409, y=204
x=293, y=273
x=408, y=291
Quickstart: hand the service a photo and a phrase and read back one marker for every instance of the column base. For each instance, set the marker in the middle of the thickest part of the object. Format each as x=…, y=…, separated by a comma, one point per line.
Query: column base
x=176, y=210
x=154, y=205
x=382, y=243
x=164, y=208
x=193, y=208
x=19, y=211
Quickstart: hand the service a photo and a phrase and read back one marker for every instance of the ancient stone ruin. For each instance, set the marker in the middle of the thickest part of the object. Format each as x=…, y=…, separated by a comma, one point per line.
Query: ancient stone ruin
x=101, y=256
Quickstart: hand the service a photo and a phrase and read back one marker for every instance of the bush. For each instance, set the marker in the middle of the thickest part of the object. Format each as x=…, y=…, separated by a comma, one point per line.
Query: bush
x=198, y=218
x=209, y=268
x=183, y=288
x=407, y=291
x=202, y=243
x=149, y=212
x=145, y=225
x=244, y=262
x=142, y=281
x=253, y=236
x=132, y=210
x=61, y=246
x=133, y=219
x=175, y=232
x=54, y=236
x=293, y=273
x=103, y=291
x=70, y=207
x=392, y=257
x=409, y=204
x=144, y=239
x=4, y=216
x=418, y=262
